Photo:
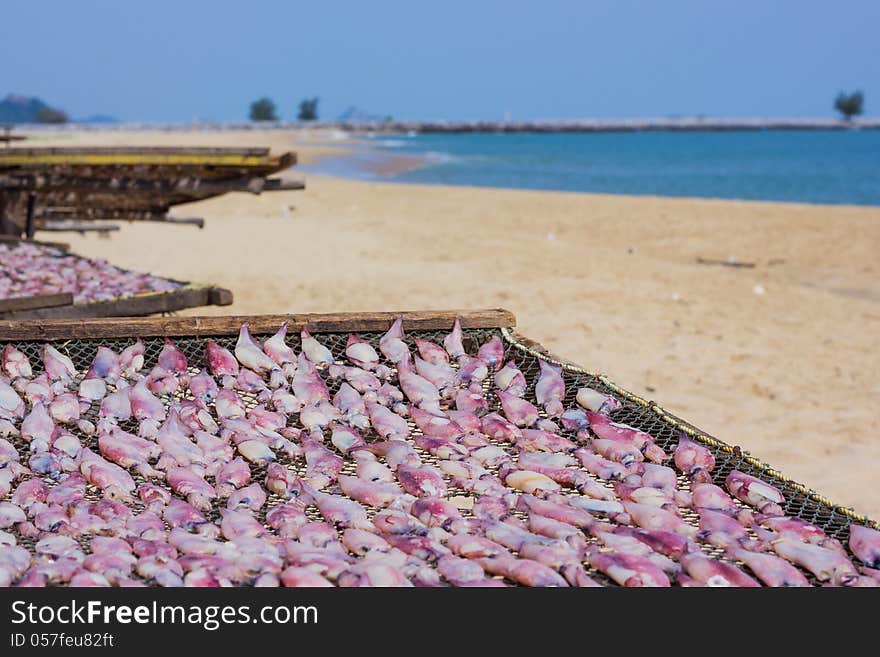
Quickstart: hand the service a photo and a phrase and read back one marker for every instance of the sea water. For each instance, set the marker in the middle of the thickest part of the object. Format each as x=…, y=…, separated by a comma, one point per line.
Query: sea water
x=800, y=166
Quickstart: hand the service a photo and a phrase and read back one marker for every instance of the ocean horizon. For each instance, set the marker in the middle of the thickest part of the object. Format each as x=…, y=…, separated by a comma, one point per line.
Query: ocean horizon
x=809, y=166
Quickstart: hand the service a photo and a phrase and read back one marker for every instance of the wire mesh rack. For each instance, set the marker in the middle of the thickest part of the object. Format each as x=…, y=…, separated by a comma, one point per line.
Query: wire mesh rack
x=177, y=295
x=191, y=335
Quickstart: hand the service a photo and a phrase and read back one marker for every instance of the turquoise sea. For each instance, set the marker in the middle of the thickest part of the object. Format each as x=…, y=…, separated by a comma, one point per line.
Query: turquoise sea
x=800, y=166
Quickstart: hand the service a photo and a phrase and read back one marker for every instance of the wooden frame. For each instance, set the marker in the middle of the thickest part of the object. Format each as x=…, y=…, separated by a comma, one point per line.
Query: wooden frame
x=131, y=327
x=142, y=150
x=55, y=306
x=210, y=159
x=139, y=183
x=131, y=184
x=37, y=301
x=90, y=329
x=98, y=224
x=149, y=303
x=101, y=213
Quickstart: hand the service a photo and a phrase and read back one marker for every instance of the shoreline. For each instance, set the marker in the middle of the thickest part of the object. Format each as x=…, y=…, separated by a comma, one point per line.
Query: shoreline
x=680, y=124
x=368, y=160
x=314, y=171
x=365, y=164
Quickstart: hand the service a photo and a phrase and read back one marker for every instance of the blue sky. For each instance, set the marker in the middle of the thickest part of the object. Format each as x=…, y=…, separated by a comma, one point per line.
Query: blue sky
x=175, y=61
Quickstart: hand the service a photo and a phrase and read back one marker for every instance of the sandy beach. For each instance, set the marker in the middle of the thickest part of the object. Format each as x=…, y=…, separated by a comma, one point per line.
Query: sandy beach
x=781, y=359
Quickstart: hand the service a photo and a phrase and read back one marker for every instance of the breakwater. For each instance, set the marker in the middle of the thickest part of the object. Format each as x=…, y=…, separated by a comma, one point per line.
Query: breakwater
x=694, y=124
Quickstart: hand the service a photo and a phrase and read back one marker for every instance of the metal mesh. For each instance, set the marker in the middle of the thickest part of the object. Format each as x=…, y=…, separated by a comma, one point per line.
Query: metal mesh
x=833, y=520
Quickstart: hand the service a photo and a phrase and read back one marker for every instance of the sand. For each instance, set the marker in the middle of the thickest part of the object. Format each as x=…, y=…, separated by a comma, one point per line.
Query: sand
x=781, y=359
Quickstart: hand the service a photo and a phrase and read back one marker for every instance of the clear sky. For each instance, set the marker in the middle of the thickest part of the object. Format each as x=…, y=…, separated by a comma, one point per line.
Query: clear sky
x=176, y=60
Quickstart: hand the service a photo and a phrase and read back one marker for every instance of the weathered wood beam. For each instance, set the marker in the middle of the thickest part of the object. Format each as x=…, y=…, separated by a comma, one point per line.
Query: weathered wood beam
x=101, y=213
x=282, y=185
x=112, y=160
x=57, y=182
x=129, y=327
x=129, y=307
x=141, y=150
x=186, y=221
x=68, y=225
x=35, y=302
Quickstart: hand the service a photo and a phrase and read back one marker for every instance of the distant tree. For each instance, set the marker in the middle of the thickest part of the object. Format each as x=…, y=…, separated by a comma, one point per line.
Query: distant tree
x=849, y=105
x=263, y=110
x=308, y=109
x=51, y=115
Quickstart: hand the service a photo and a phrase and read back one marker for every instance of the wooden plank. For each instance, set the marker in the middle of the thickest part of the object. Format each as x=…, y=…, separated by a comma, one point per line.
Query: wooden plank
x=66, y=225
x=56, y=212
x=92, y=223
x=128, y=184
x=184, y=221
x=61, y=246
x=229, y=325
x=139, y=150
x=135, y=306
x=36, y=301
x=95, y=213
x=220, y=296
x=59, y=225
x=19, y=158
x=282, y=185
